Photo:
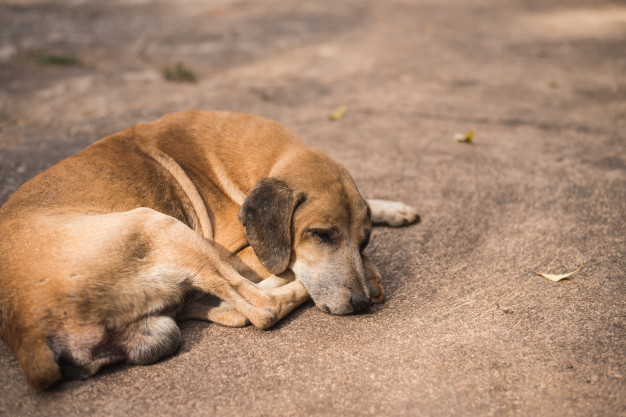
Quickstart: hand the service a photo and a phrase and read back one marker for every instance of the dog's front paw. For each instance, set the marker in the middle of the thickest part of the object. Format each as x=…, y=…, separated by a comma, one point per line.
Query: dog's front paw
x=374, y=281
x=392, y=213
x=264, y=318
x=227, y=316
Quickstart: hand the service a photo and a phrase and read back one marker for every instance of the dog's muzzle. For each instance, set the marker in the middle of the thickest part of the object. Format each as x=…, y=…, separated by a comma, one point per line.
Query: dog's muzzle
x=359, y=303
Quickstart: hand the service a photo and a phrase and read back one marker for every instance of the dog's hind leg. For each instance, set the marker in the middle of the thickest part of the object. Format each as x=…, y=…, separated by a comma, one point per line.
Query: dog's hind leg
x=154, y=261
x=392, y=213
x=112, y=274
x=185, y=261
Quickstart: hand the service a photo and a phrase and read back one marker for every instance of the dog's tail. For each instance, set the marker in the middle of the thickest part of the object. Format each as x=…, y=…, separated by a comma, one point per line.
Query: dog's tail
x=23, y=333
x=37, y=361
x=25, y=336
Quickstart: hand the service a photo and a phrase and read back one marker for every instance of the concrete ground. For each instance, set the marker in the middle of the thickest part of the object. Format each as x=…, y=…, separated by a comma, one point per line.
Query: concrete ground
x=467, y=327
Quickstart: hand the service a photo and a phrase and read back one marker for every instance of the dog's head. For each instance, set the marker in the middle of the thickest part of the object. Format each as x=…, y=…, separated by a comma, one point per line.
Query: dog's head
x=312, y=219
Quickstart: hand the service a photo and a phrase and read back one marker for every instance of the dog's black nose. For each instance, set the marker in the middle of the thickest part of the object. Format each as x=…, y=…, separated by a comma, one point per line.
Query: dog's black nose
x=359, y=303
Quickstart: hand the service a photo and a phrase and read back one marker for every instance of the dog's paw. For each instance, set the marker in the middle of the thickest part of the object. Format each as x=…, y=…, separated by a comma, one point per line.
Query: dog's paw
x=393, y=213
x=264, y=318
x=227, y=316
x=377, y=292
x=224, y=314
x=374, y=281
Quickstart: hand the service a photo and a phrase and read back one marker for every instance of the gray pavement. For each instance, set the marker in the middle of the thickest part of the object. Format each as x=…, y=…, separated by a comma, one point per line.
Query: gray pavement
x=467, y=328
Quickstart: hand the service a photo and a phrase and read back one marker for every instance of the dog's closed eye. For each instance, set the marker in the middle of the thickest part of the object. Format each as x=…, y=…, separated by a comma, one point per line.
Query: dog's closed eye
x=327, y=236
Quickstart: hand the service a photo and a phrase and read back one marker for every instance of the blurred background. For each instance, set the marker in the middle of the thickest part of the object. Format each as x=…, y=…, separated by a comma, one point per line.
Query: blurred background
x=73, y=71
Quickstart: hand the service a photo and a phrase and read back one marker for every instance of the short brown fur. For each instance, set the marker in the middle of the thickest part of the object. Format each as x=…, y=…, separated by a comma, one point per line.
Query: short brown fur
x=98, y=252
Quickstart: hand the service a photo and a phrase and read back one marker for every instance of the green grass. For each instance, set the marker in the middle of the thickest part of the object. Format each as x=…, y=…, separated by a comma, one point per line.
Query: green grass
x=179, y=73
x=61, y=60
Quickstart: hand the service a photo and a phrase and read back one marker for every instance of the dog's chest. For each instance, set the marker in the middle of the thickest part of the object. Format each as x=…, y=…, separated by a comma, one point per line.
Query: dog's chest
x=230, y=235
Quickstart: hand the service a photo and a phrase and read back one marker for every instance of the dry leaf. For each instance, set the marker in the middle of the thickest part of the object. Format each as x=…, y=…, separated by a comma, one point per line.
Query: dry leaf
x=460, y=137
x=338, y=114
x=555, y=278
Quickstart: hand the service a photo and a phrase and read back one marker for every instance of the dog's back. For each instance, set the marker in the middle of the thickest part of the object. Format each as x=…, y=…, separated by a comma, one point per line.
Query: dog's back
x=116, y=174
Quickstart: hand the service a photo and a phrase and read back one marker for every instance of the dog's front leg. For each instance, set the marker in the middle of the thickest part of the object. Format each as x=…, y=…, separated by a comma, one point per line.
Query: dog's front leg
x=248, y=265
x=262, y=307
x=392, y=213
x=225, y=314
x=185, y=262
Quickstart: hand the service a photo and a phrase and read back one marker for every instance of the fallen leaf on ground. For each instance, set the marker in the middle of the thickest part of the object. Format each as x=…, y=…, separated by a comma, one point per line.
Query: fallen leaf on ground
x=555, y=278
x=338, y=114
x=460, y=137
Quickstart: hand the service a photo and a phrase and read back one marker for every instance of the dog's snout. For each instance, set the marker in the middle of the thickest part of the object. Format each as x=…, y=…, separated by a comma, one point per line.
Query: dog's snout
x=359, y=302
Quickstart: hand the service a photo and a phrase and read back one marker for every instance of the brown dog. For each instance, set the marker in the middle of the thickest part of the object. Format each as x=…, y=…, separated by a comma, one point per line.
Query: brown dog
x=99, y=252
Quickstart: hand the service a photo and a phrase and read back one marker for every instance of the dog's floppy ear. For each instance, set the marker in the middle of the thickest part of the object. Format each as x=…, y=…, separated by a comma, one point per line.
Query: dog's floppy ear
x=266, y=214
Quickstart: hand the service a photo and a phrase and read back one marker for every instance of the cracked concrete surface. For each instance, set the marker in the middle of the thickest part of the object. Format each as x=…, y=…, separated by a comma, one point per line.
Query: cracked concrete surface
x=467, y=328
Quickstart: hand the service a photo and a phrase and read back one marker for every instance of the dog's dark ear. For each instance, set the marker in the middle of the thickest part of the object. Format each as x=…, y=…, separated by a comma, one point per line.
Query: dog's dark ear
x=266, y=214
